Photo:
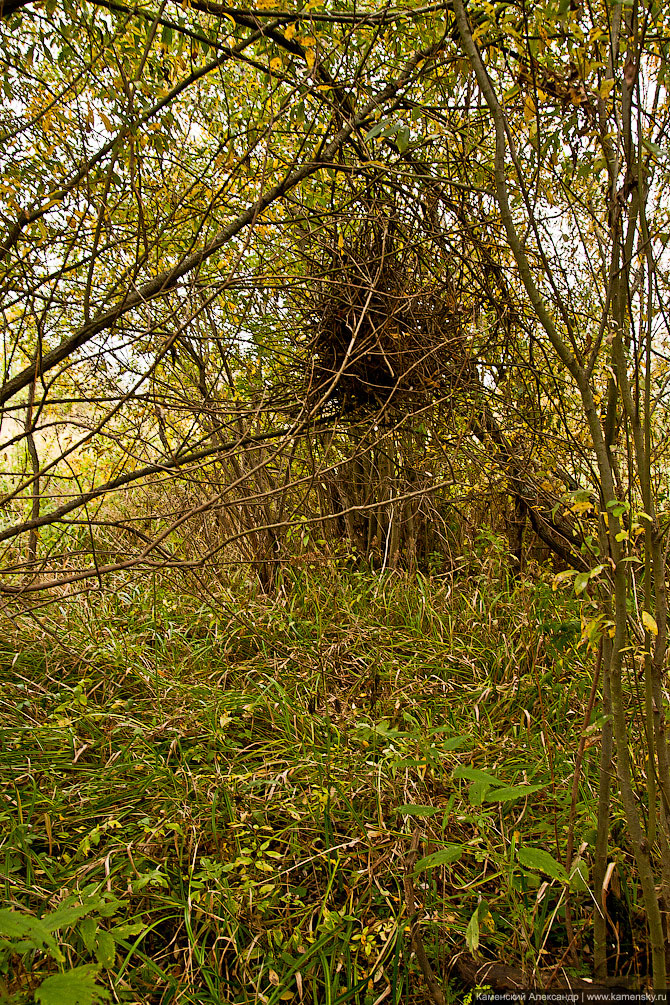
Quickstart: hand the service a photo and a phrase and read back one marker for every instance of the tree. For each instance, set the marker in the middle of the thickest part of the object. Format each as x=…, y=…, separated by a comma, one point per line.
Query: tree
x=597, y=312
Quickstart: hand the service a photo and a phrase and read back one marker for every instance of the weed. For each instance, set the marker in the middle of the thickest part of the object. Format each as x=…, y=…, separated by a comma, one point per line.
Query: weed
x=245, y=790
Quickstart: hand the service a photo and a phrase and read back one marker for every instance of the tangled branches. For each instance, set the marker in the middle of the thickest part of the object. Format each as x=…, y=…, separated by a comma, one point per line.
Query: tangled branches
x=379, y=336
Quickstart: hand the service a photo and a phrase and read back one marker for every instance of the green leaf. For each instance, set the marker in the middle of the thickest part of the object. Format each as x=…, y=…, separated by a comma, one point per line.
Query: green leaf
x=581, y=582
x=509, y=792
x=88, y=929
x=75, y=987
x=68, y=913
x=653, y=148
x=402, y=139
x=537, y=858
x=415, y=810
x=472, y=933
x=99, y=941
x=128, y=929
x=377, y=129
x=26, y=932
x=455, y=742
x=105, y=951
x=444, y=856
x=579, y=877
x=15, y=925
x=475, y=775
x=617, y=507
x=477, y=791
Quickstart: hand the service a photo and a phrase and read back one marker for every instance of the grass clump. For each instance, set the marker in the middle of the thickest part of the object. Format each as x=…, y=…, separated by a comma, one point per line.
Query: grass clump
x=239, y=786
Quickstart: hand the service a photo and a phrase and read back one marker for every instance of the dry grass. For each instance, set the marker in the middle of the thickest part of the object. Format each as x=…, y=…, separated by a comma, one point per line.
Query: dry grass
x=248, y=795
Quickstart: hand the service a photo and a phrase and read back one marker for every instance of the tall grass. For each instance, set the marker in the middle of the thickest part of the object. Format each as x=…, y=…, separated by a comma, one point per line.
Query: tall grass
x=245, y=778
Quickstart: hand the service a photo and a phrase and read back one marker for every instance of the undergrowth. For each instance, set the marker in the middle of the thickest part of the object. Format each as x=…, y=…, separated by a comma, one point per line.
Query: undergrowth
x=238, y=783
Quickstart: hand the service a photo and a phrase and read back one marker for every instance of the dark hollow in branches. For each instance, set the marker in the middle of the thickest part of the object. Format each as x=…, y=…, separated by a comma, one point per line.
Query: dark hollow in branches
x=379, y=335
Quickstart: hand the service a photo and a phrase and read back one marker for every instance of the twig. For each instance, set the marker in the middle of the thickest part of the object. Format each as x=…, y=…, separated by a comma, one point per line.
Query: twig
x=573, y=800
x=434, y=988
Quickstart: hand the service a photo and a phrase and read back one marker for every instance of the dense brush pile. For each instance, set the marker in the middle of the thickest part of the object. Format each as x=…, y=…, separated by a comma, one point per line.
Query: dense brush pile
x=379, y=335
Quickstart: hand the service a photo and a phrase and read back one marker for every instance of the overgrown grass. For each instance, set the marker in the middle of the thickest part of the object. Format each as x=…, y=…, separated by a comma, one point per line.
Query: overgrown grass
x=246, y=780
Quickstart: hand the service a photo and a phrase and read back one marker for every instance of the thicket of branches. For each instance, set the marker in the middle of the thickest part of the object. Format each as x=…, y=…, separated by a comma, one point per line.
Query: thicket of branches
x=285, y=286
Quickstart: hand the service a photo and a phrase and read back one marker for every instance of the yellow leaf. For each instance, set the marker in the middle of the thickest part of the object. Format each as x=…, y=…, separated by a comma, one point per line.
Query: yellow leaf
x=310, y=57
x=529, y=108
x=605, y=88
x=340, y=242
x=289, y=33
x=275, y=64
x=562, y=577
x=649, y=623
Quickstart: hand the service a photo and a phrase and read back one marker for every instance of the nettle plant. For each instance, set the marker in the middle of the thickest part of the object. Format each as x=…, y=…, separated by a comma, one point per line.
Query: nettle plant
x=79, y=929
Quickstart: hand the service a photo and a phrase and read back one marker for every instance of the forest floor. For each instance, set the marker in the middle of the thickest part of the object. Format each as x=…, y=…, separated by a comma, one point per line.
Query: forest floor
x=217, y=803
